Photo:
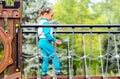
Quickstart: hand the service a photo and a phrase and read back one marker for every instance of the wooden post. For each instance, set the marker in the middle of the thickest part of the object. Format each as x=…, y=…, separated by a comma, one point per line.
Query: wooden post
x=11, y=31
x=14, y=30
x=2, y=23
x=1, y=26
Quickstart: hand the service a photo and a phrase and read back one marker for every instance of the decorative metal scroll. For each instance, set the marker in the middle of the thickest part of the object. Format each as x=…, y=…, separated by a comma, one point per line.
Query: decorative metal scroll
x=6, y=60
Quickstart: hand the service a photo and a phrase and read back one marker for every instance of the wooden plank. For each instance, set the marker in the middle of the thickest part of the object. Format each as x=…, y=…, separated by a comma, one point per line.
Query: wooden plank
x=79, y=77
x=97, y=77
x=1, y=75
x=14, y=76
x=63, y=77
x=33, y=78
x=46, y=77
x=11, y=31
x=114, y=77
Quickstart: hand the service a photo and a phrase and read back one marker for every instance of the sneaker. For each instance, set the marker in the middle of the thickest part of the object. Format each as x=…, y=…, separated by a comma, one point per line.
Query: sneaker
x=45, y=75
x=59, y=73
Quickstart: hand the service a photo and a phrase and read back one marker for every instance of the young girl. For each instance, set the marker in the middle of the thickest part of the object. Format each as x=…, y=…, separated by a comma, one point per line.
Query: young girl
x=45, y=39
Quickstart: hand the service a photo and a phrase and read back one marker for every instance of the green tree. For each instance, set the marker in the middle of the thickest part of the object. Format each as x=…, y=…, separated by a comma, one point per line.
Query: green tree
x=109, y=9
x=76, y=12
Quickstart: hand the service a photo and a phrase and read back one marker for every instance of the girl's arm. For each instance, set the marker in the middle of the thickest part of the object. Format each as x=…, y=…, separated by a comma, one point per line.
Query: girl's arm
x=47, y=31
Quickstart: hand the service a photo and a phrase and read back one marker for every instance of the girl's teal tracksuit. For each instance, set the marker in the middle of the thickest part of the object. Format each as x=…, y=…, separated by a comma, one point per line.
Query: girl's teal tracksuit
x=45, y=44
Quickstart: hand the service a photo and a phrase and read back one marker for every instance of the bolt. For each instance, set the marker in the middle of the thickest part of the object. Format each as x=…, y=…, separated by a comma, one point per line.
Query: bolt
x=17, y=25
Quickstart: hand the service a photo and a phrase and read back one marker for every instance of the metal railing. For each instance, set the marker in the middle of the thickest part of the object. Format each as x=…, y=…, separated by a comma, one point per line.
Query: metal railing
x=87, y=58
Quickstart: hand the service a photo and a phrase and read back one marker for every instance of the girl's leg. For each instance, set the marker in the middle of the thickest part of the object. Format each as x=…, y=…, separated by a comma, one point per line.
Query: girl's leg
x=43, y=46
x=45, y=65
x=56, y=62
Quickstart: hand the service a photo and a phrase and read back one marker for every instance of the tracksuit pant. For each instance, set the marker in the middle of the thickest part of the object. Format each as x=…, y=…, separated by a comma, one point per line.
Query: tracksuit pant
x=48, y=52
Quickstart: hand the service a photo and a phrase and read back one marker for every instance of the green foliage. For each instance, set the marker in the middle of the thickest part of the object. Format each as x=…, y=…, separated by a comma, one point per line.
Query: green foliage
x=86, y=12
x=76, y=12
x=1, y=50
x=10, y=2
x=1, y=55
x=110, y=11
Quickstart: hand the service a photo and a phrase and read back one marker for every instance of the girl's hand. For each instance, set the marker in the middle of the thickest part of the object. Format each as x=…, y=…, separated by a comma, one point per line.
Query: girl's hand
x=58, y=42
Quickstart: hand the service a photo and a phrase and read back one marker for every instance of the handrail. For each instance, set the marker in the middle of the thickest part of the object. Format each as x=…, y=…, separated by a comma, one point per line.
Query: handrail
x=71, y=25
x=76, y=32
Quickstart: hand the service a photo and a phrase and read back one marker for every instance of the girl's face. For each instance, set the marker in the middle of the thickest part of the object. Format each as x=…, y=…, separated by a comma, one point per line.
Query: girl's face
x=49, y=15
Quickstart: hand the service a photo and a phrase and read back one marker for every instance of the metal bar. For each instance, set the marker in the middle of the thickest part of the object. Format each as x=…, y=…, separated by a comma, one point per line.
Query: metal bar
x=37, y=51
x=70, y=25
x=17, y=52
x=107, y=57
x=94, y=32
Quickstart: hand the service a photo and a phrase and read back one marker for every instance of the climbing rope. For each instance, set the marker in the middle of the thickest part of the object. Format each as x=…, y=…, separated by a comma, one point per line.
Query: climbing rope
x=107, y=54
x=101, y=56
x=86, y=68
x=117, y=56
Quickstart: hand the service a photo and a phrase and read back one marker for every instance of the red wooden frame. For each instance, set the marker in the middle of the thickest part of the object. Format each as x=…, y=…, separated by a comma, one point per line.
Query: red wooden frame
x=6, y=60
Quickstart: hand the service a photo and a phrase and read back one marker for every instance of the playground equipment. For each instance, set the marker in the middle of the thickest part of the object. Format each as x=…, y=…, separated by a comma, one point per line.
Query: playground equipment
x=11, y=36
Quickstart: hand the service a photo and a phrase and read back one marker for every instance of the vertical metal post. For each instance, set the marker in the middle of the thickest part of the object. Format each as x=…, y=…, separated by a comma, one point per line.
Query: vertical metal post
x=117, y=55
x=67, y=44
x=101, y=60
x=38, y=56
x=54, y=73
x=85, y=61
x=89, y=71
x=107, y=59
